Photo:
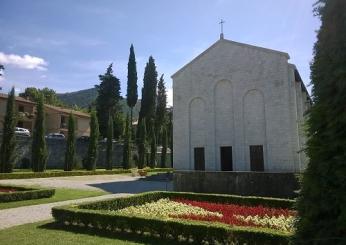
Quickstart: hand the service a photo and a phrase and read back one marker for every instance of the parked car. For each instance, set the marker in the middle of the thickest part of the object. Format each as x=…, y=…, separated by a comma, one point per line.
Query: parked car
x=84, y=138
x=22, y=132
x=55, y=136
x=104, y=140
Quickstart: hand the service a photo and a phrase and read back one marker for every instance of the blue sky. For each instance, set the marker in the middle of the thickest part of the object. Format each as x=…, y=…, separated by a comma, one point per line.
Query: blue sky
x=66, y=44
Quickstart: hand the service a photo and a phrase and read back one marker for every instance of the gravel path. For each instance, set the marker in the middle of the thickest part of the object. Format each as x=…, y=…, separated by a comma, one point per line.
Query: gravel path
x=35, y=213
x=110, y=183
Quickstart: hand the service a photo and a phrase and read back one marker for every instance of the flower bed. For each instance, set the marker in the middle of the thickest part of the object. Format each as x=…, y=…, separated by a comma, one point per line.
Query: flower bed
x=18, y=193
x=188, y=217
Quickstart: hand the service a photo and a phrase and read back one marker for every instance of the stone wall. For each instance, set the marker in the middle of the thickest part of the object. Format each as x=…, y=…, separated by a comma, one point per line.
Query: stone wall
x=56, y=153
x=281, y=185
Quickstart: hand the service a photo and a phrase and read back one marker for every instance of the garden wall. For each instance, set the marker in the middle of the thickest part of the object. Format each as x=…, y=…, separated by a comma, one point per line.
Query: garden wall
x=282, y=185
x=56, y=153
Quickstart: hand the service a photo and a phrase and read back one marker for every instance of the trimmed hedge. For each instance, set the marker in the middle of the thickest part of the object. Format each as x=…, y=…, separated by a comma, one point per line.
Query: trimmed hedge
x=30, y=175
x=24, y=193
x=97, y=215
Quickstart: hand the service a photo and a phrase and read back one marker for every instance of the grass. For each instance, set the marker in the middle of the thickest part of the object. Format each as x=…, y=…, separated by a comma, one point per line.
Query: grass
x=61, y=194
x=43, y=233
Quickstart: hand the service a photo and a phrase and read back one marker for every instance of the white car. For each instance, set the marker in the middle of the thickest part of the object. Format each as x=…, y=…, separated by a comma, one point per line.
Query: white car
x=55, y=136
x=22, y=132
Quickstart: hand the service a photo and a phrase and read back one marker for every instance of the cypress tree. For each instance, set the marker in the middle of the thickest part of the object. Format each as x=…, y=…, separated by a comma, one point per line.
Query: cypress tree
x=107, y=101
x=322, y=201
x=8, y=146
x=90, y=160
x=70, y=145
x=127, y=144
x=164, y=147
x=152, y=160
x=39, y=153
x=118, y=125
x=132, y=94
x=109, y=151
x=148, y=102
x=170, y=132
x=142, y=133
x=161, y=104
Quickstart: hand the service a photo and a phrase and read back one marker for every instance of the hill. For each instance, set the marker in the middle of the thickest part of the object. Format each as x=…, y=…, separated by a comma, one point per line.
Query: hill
x=84, y=98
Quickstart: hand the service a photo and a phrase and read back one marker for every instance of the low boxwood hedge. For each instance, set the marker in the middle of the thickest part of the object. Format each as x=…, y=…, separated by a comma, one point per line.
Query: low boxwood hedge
x=24, y=193
x=48, y=174
x=97, y=215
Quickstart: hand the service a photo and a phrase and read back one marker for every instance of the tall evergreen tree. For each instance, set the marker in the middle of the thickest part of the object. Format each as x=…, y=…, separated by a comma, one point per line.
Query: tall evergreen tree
x=70, y=145
x=161, y=104
x=91, y=158
x=107, y=99
x=127, y=144
x=118, y=125
x=109, y=151
x=148, y=103
x=322, y=201
x=8, y=146
x=164, y=147
x=152, y=160
x=142, y=148
x=39, y=154
x=132, y=94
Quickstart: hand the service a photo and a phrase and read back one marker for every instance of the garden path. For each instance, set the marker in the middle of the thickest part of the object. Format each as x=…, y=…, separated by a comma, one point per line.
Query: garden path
x=35, y=213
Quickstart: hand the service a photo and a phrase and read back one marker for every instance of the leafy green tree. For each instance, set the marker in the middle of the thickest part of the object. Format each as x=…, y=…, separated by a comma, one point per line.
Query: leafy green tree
x=49, y=95
x=91, y=158
x=127, y=144
x=39, y=154
x=132, y=93
x=322, y=201
x=8, y=146
x=148, y=103
x=164, y=147
x=118, y=125
x=107, y=98
x=109, y=151
x=142, y=144
x=152, y=161
x=70, y=145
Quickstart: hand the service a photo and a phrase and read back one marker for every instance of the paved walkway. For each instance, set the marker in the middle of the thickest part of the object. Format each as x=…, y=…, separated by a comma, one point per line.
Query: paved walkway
x=35, y=213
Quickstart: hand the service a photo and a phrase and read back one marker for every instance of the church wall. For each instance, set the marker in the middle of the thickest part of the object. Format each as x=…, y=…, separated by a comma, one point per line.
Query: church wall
x=222, y=77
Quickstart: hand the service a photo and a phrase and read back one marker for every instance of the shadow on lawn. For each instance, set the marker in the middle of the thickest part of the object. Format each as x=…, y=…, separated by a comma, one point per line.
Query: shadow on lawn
x=108, y=234
x=135, y=186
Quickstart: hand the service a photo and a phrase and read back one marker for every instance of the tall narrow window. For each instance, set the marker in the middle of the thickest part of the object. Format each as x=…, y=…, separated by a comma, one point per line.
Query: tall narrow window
x=20, y=108
x=226, y=158
x=256, y=158
x=63, y=123
x=199, y=158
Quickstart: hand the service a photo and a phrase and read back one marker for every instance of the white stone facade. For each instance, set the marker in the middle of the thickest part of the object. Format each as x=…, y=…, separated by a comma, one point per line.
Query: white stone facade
x=239, y=95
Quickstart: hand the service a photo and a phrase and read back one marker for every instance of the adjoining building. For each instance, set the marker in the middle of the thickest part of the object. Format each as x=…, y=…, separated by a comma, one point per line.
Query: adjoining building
x=56, y=117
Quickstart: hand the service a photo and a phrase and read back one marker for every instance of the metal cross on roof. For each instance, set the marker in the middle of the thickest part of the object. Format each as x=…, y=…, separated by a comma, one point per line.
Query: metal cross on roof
x=221, y=25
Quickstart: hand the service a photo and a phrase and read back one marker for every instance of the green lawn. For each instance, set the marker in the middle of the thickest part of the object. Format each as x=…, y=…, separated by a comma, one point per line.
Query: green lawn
x=61, y=194
x=50, y=233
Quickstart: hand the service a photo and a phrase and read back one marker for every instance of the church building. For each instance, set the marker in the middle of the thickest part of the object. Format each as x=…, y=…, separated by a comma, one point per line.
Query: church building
x=239, y=107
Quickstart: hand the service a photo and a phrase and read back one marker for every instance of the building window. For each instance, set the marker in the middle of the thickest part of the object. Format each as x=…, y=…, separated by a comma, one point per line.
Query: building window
x=63, y=123
x=226, y=158
x=21, y=108
x=199, y=158
x=256, y=158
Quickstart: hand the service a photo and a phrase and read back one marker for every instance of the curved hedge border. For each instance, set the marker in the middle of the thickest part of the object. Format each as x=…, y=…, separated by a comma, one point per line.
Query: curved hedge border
x=30, y=175
x=24, y=193
x=96, y=215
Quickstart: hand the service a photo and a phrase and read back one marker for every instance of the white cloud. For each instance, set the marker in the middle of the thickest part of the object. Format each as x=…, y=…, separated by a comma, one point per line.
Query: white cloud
x=25, y=62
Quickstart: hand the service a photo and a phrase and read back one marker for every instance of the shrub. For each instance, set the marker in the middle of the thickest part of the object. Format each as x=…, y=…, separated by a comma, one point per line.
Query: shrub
x=28, y=175
x=97, y=215
x=24, y=193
